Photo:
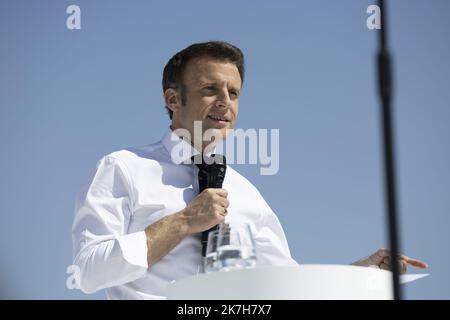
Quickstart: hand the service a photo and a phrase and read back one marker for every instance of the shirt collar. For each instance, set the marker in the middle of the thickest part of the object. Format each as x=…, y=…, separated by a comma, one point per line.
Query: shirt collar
x=180, y=151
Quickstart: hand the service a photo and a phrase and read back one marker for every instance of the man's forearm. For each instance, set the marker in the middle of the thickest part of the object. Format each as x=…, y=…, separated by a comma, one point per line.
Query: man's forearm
x=164, y=235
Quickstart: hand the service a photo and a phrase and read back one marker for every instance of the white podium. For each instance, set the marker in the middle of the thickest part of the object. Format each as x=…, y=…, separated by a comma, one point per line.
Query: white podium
x=304, y=282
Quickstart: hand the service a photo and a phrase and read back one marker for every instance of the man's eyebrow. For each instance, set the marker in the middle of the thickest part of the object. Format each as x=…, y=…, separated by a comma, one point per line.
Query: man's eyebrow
x=203, y=83
x=207, y=82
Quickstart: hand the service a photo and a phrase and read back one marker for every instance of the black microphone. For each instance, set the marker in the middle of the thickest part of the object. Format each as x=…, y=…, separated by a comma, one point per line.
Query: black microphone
x=210, y=175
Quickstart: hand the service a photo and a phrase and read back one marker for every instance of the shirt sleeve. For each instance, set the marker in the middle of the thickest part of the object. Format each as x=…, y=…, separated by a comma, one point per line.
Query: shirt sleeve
x=104, y=253
x=270, y=242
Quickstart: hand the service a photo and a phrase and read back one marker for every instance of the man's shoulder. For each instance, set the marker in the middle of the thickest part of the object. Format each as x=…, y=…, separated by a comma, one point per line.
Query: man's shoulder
x=148, y=151
x=130, y=155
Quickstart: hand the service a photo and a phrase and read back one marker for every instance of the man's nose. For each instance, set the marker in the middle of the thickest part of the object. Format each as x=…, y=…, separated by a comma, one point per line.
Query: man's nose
x=224, y=99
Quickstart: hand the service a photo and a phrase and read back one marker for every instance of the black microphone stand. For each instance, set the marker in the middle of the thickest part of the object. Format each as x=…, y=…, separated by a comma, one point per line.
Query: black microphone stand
x=385, y=91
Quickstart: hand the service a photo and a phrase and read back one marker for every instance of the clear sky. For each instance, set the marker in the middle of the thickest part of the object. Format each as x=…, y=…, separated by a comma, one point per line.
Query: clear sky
x=68, y=97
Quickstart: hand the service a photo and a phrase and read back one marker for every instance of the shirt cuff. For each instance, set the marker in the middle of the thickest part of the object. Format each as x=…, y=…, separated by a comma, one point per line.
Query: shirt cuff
x=134, y=248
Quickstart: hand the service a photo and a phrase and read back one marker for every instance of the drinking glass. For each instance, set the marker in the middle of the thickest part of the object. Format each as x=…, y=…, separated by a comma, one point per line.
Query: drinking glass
x=235, y=247
x=210, y=264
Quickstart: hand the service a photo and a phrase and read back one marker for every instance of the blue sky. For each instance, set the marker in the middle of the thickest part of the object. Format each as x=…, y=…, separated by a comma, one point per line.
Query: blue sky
x=67, y=97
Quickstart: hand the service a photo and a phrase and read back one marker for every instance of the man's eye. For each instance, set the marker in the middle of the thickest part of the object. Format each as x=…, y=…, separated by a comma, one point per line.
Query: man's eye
x=234, y=93
x=209, y=90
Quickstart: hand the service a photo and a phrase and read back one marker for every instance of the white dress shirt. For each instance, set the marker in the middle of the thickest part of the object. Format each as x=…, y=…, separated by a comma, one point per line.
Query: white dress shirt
x=134, y=188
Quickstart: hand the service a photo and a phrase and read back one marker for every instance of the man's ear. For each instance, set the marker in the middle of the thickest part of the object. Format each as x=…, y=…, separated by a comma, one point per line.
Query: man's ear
x=172, y=99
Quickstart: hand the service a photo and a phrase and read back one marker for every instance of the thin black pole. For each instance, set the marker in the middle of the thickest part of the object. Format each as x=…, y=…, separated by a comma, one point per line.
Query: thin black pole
x=385, y=91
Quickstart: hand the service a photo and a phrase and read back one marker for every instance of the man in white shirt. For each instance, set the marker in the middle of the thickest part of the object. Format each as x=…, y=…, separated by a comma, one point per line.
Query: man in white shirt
x=137, y=225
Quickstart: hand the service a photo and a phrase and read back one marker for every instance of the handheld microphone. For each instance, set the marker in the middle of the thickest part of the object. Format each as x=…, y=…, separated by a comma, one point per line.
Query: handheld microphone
x=211, y=175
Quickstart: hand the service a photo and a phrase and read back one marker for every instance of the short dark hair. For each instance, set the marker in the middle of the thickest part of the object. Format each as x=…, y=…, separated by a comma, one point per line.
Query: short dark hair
x=220, y=50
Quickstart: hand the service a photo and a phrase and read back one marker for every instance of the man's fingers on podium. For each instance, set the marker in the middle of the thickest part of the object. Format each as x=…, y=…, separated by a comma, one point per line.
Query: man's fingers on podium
x=383, y=252
x=384, y=266
x=387, y=265
x=416, y=263
x=379, y=256
x=386, y=253
x=409, y=261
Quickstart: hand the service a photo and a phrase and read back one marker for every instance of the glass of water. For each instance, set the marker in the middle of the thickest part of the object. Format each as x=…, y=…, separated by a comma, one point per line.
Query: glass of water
x=211, y=252
x=235, y=247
